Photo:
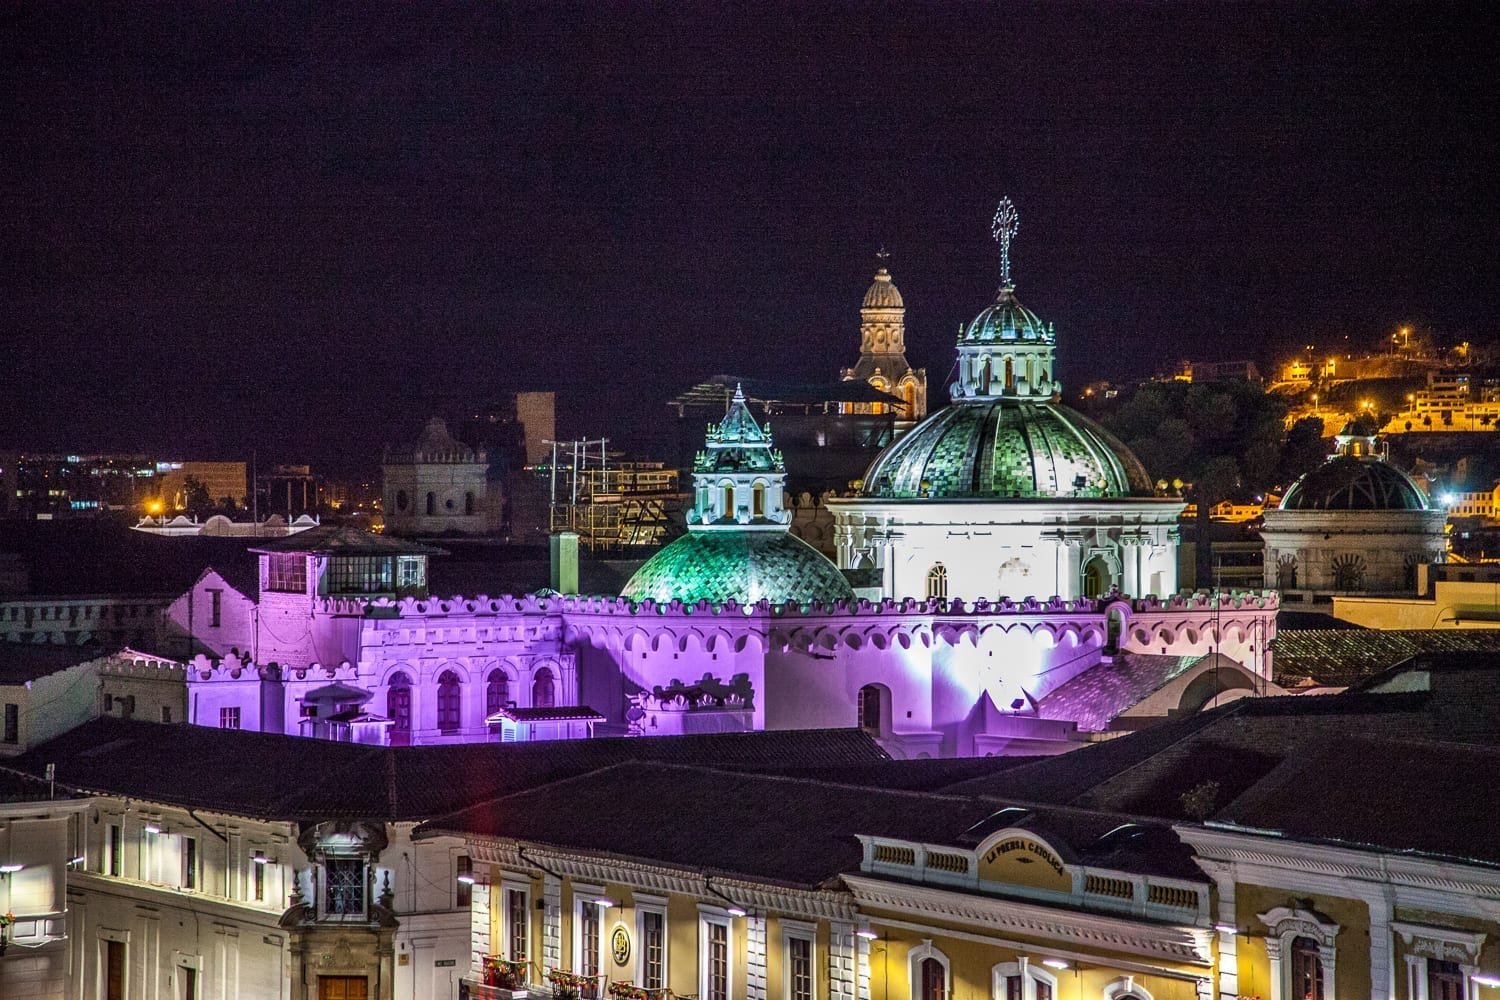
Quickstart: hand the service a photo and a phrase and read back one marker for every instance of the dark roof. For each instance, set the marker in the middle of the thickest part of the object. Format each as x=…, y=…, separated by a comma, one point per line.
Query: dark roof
x=741, y=824
x=21, y=662
x=288, y=777
x=1444, y=801
x=18, y=787
x=346, y=540
x=1341, y=658
x=76, y=558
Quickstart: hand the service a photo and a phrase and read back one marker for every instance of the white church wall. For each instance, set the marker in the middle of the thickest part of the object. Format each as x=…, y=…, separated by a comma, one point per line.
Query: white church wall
x=192, y=615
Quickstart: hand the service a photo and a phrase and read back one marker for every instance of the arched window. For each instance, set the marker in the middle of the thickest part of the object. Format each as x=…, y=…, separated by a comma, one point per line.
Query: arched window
x=543, y=691
x=496, y=692
x=984, y=377
x=929, y=972
x=874, y=700
x=431, y=504
x=728, y=510
x=1010, y=374
x=449, y=697
x=937, y=582
x=1307, y=969
x=934, y=980
x=398, y=707
x=758, y=500
x=1096, y=577
x=1024, y=981
x=402, y=500
x=909, y=393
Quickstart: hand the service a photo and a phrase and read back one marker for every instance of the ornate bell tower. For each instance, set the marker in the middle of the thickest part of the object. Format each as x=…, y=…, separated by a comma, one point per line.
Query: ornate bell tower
x=882, y=352
x=739, y=479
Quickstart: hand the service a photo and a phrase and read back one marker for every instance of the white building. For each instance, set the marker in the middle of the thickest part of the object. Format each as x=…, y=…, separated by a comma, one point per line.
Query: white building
x=437, y=485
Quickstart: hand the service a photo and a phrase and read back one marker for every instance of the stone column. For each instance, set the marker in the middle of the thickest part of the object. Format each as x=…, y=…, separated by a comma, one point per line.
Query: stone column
x=756, y=962
x=551, y=924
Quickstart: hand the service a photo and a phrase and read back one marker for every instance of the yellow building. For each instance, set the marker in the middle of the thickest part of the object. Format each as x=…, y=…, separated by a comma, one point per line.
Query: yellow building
x=651, y=881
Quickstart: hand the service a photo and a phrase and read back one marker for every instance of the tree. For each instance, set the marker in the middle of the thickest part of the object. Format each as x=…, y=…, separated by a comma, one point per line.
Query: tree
x=195, y=498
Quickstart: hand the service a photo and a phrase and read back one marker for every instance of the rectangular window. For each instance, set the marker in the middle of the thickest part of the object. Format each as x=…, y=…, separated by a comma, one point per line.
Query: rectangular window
x=287, y=574
x=464, y=894
x=799, y=959
x=716, y=961
x=344, y=888
x=590, y=927
x=215, y=608
x=114, y=970
x=229, y=718
x=114, y=851
x=12, y=723
x=188, y=976
x=359, y=575
x=190, y=862
x=258, y=882
x=653, y=949
x=166, y=713
x=516, y=930
x=409, y=570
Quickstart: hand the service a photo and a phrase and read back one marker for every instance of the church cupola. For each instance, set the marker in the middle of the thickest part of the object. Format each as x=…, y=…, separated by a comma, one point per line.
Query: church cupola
x=739, y=479
x=1006, y=352
x=882, y=352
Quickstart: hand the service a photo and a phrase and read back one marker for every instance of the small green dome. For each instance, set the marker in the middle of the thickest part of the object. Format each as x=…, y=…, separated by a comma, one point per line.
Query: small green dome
x=1006, y=319
x=1007, y=448
x=719, y=565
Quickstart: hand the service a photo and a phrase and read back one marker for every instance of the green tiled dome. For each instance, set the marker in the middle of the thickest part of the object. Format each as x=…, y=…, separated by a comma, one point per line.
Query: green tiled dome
x=746, y=566
x=1007, y=448
x=1006, y=319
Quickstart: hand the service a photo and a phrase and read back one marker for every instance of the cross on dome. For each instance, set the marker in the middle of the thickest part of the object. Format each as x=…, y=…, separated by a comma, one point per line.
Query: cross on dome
x=1006, y=224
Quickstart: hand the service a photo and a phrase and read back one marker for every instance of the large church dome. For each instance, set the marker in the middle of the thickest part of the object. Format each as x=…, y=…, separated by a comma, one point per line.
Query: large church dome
x=745, y=566
x=1003, y=449
x=1355, y=478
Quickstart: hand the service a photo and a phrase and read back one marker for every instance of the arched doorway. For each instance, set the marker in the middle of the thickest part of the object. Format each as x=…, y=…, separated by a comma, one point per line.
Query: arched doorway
x=1097, y=578
x=874, y=709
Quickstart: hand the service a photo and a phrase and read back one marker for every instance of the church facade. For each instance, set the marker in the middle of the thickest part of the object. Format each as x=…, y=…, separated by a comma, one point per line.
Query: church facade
x=1024, y=595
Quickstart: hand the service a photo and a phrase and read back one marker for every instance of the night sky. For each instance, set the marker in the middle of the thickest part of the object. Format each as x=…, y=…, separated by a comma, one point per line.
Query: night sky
x=303, y=232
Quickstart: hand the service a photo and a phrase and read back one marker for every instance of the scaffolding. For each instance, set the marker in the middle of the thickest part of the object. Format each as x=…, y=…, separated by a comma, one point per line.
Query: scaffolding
x=610, y=503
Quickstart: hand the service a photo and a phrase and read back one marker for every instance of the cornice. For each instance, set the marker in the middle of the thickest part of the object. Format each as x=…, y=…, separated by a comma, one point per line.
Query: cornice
x=1139, y=937
x=811, y=903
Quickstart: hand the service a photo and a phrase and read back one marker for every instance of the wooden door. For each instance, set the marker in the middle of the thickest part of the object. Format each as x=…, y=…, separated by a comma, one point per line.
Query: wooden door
x=114, y=970
x=343, y=988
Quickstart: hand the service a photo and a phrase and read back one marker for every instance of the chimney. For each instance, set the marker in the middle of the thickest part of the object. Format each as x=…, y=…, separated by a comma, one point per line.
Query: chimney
x=564, y=547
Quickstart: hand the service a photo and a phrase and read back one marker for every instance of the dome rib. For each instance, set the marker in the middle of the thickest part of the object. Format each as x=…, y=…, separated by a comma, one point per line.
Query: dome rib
x=1007, y=449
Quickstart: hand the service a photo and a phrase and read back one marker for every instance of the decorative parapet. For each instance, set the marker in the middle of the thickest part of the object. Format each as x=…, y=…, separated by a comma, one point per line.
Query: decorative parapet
x=559, y=604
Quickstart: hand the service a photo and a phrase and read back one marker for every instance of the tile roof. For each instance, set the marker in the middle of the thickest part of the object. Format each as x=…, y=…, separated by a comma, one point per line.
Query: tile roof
x=1324, y=793
x=1105, y=690
x=1343, y=657
x=1146, y=773
x=273, y=776
x=708, y=819
x=92, y=558
x=345, y=540
x=21, y=662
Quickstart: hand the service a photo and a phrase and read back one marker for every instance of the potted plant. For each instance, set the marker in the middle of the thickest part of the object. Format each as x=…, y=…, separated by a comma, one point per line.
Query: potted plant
x=565, y=985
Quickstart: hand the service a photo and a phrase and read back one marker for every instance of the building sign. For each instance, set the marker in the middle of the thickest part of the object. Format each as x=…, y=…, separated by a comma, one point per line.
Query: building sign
x=1018, y=859
x=619, y=945
x=445, y=963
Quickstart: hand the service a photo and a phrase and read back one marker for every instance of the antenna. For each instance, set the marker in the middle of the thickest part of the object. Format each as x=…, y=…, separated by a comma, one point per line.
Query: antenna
x=1006, y=224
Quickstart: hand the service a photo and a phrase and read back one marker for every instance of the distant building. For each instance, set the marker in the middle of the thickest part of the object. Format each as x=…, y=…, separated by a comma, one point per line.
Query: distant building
x=437, y=485
x=1217, y=371
x=1355, y=524
x=289, y=490
x=882, y=354
x=222, y=480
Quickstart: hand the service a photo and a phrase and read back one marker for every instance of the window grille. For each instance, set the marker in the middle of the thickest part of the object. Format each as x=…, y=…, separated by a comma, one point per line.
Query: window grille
x=287, y=574
x=344, y=894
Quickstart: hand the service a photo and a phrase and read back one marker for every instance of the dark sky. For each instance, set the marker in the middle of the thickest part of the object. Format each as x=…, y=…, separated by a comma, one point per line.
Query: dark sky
x=259, y=226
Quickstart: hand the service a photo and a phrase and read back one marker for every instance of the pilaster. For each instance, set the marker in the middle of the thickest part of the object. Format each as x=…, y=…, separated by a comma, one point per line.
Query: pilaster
x=479, y=928
x=551, y=923
x=755, y=956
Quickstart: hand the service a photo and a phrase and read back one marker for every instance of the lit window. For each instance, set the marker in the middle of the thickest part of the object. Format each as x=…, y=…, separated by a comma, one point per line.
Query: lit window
x=937, y=582
x=344, y=886
x=1307, y=969
x=287, y=574
x=653, y=936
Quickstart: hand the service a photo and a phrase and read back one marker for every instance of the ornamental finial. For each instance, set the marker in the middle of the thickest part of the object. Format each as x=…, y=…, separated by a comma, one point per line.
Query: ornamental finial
x=1007, y=222
x=882, y=255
